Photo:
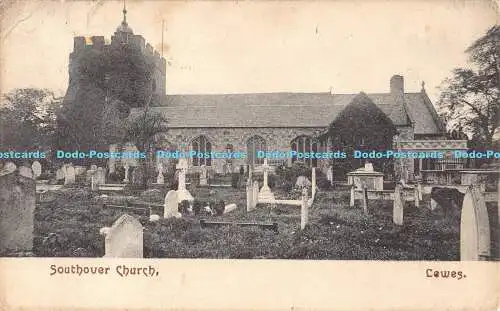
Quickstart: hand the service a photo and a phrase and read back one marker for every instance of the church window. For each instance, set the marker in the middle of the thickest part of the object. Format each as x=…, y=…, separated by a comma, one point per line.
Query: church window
x=305, y=144
x=201, y=145
x=255, y=144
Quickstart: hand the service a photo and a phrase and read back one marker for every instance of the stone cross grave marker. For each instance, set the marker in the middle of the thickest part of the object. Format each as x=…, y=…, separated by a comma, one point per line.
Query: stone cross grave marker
x=171, y=205
x=474, y=227
x=127, y=167
x=182, y=192
x=36, y=167
x=397, y=209
x=70, y=175
x=329, y=174
x=125, y=238
x=265, y=192
x=17, y=206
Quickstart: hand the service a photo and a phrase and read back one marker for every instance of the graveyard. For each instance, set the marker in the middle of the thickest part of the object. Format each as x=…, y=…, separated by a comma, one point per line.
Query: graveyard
x=245, y=216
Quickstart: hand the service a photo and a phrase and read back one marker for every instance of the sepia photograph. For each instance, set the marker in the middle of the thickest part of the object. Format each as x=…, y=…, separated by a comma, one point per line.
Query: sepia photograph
x=249, y=130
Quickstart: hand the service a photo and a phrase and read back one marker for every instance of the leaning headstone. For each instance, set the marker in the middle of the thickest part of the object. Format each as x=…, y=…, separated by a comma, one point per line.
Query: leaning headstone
x=474, y=227
x=171, y=205
x=125, y=238
x=26, y=172
x=36, y=168
x=70, y=175
x=17, y=206
x=397, y=210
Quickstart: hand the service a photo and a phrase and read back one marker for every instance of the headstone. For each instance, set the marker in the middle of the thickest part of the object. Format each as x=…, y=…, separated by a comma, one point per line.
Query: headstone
x=203, y=175
x=302, y=182
x=100, y=176
x=255, y=196
x=249, y=195
x=230, y=207
x=434, y=205
x=93, y=167
x=397, y=210
x=313, y=182
x=126, y=179
x=419, y=188
x=138, y=175
x=36, y=167
x=171, y=205
x=26, y=172
x=125, y=238
x=353, y=193
x=9, y=167
x=17, y=206
x=160, y=178
x=70, y=175
x=90, y=175
x=474, y=227
x=365, y=200
x=265, y=192
x=329, y=174
x=416, y=196
x=60, y=174
x=304, y=210
x=182, y=192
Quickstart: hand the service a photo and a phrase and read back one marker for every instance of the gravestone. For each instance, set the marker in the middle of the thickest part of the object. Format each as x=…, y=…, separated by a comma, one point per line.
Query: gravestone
x=160, y=179
x=17, y=206
x=203, y=175
x=304, y=210
x=230, y=207
x=93, y=167
x=353, y=193
x=60, y=174
x=9, y=167
x=365, y=200
x=26, y=172
x=100, y=176
x=249, y=195
x=171, y=205
x=70, y=175
x=474, y=227
x=36, y=168
x=397, y=210
x=126, y=167
x=265, y=192
x=138, y=175
x=125, y=238
x=255, y=196
x=182, y=192
x=313, y=182
x=329, y=174
x=90, y=174
x=302, y=182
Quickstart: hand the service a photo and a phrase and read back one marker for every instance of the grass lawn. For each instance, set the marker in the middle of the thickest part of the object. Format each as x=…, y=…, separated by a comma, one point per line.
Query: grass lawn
x=69, y=226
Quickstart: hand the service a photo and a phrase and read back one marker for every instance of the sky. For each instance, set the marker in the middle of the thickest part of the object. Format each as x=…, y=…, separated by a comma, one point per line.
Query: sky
x=245, y=47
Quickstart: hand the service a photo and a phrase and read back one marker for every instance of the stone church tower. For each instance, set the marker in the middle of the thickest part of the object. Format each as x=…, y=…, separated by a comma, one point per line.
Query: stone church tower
x=105, y=82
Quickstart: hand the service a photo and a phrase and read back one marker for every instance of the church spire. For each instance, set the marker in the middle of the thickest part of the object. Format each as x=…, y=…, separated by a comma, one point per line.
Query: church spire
x=124, y=25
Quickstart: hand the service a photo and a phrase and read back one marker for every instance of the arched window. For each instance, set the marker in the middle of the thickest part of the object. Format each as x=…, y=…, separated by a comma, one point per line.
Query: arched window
x=201, y=144
x=255, y=144
x=305, y=144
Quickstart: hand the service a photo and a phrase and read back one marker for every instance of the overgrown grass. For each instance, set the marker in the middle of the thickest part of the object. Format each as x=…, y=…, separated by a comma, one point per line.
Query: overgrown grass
x=335, y=231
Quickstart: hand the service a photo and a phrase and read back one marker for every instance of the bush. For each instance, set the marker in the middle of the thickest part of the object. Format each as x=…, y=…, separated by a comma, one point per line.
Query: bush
x=197, y=206
x=287, y=176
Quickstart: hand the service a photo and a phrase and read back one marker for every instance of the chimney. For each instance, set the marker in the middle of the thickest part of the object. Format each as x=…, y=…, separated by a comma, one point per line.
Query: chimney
x=397, y=85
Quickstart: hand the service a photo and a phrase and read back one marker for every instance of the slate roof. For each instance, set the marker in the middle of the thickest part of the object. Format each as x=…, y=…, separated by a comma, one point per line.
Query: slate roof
x=284, y=110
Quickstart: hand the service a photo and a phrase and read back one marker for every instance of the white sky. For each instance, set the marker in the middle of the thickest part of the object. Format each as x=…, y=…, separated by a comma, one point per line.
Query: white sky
x=232, y=47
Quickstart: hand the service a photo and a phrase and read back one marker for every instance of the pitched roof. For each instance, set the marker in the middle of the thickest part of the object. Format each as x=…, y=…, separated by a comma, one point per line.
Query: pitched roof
x=277, y=110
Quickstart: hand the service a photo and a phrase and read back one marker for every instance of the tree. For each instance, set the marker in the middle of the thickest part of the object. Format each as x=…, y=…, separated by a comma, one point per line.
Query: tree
x=28, y=118
x=143, y=132
x=470, y=101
